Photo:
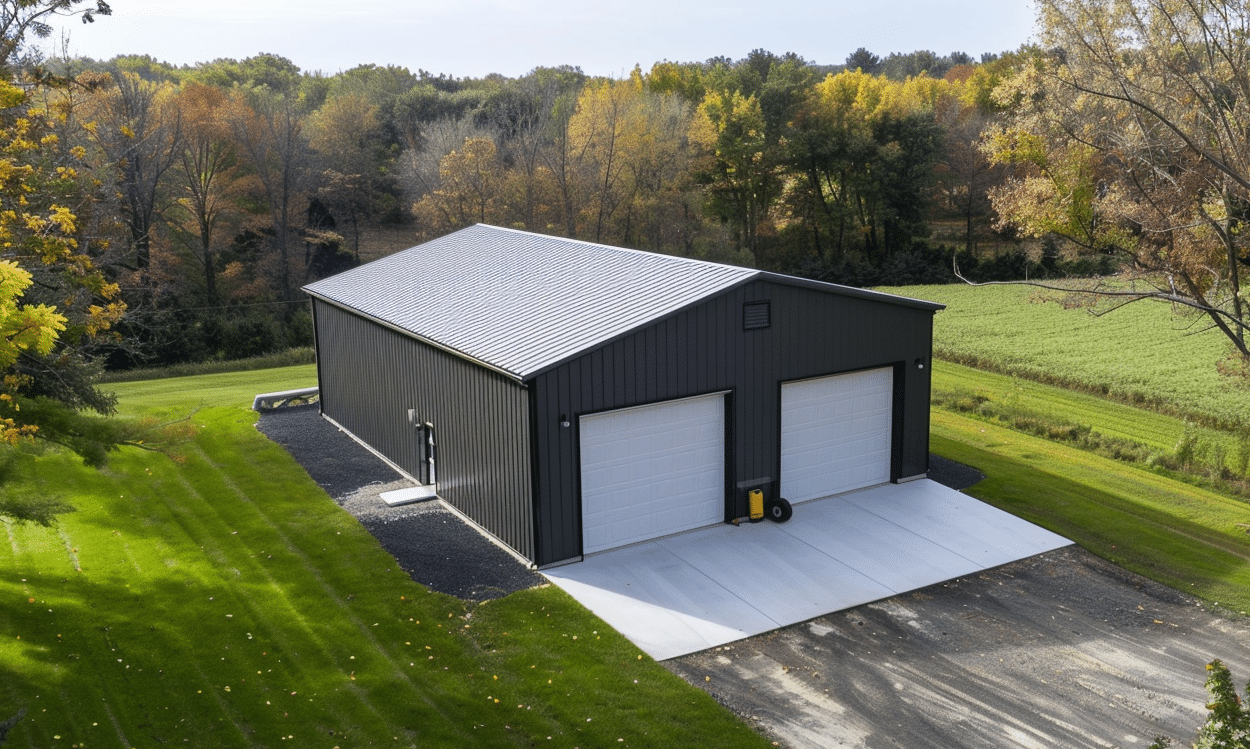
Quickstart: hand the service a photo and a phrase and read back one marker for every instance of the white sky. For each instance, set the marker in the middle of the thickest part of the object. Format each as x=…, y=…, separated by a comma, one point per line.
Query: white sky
x=470, y=38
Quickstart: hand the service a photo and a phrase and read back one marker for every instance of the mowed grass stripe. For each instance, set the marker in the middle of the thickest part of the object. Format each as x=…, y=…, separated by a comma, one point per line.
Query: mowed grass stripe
x=259, y=605
x=289, y=517
x=1179, y=534
x=298, y=509
x=1107, y=417
x=122, y=564
x=177, y=396
x=324, y=636
x=132, y=634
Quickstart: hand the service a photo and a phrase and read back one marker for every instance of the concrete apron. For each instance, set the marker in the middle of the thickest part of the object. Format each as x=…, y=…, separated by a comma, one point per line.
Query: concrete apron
x=680, y=594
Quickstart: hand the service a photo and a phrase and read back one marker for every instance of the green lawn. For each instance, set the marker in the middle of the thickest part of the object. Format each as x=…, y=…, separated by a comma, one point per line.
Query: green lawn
x=180, y=394
x=1188, y=537
x=222, y=599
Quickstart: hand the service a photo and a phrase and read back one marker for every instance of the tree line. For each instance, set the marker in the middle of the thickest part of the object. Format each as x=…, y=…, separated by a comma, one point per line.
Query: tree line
x=211, y=193
x=153, y=214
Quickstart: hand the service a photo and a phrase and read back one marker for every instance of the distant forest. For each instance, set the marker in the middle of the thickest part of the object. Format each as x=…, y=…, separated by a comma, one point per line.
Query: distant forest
x=212, y=193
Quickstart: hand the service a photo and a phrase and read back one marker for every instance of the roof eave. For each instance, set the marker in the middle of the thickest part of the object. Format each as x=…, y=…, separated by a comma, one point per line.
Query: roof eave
x=851, y=291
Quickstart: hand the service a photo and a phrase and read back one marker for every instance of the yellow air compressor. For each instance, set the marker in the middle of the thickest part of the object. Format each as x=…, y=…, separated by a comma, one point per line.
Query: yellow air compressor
x=755, y=500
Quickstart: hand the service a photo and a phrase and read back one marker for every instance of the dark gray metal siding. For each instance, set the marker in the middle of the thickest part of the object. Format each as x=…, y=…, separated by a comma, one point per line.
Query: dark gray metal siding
x=371, y=375
x=704, y=349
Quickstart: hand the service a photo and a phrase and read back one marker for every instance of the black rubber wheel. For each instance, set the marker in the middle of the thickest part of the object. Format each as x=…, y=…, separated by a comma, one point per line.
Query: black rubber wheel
x=779, y=510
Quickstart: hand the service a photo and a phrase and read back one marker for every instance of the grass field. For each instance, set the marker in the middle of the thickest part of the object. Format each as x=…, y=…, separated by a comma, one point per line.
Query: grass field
x=1188, y=537
x=1141, y=434
x=223, y=600
x=1140, y=353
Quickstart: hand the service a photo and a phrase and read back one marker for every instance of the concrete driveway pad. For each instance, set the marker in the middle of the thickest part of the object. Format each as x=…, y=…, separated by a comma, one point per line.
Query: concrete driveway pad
x=685, y=593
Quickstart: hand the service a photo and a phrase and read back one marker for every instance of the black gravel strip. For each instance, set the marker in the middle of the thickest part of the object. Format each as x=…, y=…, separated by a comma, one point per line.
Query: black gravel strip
x=338, y=463
x=954, y=475
x=434, y=546
x=440, y=551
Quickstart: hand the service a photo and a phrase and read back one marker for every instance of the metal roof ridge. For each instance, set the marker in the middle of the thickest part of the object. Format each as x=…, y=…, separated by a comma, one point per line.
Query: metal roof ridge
x=746, y=273
x=627, y=250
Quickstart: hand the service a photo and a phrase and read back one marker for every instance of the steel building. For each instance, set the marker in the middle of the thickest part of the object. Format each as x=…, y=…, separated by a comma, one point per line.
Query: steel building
x=570, y=397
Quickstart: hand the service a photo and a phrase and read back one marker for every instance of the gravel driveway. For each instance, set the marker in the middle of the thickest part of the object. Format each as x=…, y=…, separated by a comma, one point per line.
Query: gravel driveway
x=1059, y=650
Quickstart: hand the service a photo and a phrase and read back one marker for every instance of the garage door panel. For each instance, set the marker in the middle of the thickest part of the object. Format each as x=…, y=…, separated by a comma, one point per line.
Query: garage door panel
x=651, y=471
x=836, y=434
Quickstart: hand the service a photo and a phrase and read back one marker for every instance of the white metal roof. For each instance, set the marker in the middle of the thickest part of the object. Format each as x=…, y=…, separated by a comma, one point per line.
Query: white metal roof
x=520, y=302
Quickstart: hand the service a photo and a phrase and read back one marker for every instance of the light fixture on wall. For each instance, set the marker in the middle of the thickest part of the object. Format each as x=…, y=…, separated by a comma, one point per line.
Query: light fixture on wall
x=920, y=363
x=564, y=420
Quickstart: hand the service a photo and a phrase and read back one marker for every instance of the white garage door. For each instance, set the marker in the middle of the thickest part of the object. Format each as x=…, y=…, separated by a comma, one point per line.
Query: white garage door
x=835, y=433
x=652, y=470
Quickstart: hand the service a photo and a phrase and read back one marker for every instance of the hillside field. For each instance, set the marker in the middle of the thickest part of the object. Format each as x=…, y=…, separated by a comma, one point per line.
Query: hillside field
x=1145, y=353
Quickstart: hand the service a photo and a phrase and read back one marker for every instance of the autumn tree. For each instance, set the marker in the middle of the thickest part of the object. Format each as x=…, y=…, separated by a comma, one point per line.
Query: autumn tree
x=633, y=150
x=684, y=79
x=139, y=130
x=863, y=151
x=604, y=120
x=533, y=123
x=24, y=329
x=743, y=124
x=358, y=132
x=209, y=178
x=270, y=136
x=55, y=302
x=346, y=134
x=469, y=188
x=742, y=175
x=1127, y=138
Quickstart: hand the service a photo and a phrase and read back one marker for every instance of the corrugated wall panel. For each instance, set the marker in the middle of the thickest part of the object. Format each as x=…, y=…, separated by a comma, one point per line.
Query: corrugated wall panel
x=704, y=349
x=371, y=375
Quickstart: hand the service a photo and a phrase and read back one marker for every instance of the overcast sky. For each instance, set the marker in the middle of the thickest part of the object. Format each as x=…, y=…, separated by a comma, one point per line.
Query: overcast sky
x=471, y=38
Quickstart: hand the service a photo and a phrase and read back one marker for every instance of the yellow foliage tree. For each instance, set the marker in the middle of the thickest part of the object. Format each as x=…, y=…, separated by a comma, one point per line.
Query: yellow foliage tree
x=628, y=148
x=23, y=327
x=53, y=299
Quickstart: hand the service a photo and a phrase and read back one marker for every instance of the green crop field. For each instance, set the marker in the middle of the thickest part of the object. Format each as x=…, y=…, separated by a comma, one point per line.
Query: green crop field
x=1140, y=353
x=217, y=597
x=1133, y=433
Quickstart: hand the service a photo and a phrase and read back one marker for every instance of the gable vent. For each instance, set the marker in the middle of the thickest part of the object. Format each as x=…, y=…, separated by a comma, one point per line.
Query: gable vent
x=757, y=315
